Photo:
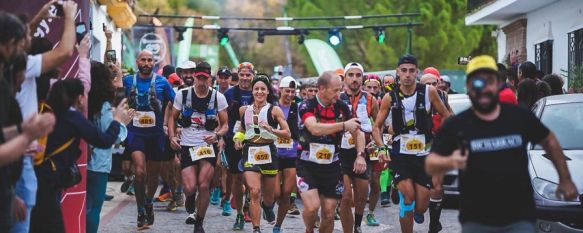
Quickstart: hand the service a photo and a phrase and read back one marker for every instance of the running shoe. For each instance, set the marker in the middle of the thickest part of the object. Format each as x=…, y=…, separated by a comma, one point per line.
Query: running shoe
x=419, y=218
x=130, y=191
x=239, y=223
x=108, y=197
x=256, y=230
x=125, y=186
x=276, y=229
x=317, y=222
x=149, y=214
x=435, y=227
x=385, y=199
x=293, y=209
x=227, y=210
x=357, y=229
x=215, y=196
x=191, y=219
x=371, y=220
x=179, y=199
x=172, y=206
x=198, y=228
x=164, y=197
x=142, y=222
x=268, y=214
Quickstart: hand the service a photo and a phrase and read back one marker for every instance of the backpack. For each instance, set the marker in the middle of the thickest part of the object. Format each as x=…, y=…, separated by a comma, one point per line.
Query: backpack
x=41, y=156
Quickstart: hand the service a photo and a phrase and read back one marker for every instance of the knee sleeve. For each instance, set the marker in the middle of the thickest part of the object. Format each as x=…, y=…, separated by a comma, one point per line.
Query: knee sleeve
x=404, y=208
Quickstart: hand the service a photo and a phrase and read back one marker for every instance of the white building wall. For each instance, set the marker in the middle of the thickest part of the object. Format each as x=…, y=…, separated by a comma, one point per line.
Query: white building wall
x=562, y=17
x=99, y=17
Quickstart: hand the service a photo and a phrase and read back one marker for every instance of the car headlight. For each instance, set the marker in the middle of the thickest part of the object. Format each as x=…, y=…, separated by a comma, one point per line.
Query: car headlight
x=546, y=189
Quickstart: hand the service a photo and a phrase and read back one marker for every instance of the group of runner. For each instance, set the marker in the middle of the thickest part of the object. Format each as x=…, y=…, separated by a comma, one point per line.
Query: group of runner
x=329, y=147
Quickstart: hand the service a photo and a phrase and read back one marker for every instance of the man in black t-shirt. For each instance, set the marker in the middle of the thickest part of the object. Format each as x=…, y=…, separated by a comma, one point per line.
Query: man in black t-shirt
x=487, y=143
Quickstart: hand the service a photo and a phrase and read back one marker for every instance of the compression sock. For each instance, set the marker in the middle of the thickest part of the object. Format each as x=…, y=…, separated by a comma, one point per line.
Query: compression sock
x=434, y=210
x=199, y=220
x=357, y=219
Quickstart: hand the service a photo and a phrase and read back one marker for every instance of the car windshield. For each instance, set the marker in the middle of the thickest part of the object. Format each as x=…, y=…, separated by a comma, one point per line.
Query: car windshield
x=459, y=105
x=566, y=121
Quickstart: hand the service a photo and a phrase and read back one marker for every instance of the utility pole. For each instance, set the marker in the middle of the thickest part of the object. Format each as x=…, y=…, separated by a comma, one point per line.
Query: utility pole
x=286, y=42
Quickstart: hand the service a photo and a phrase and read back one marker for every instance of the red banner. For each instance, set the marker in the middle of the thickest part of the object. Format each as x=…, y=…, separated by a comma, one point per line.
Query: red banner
x=73, y=200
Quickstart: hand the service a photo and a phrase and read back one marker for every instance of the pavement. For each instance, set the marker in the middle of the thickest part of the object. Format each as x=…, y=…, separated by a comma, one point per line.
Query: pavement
x=119, y=216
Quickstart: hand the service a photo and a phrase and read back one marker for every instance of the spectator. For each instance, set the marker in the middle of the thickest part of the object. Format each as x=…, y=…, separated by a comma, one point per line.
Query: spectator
x=304, y=91
x=526, y=70
x=555, y=82
x=527, y=93
x=505, y=95
x=512, y=77
x=101, y=97
x=445, y=85
x=543, y=89
x=234, y=78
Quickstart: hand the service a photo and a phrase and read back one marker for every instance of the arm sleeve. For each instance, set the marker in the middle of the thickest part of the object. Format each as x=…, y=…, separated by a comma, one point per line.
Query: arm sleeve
x=92, y=134
x=445, y=142
x=535, y=130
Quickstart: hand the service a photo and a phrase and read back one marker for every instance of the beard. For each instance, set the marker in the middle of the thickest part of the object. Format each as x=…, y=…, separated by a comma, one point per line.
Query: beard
x=485, y=108
x=189, y=81
x=145, y=70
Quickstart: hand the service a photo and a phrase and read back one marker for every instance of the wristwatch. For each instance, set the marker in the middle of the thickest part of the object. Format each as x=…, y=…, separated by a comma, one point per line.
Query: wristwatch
x=360, y=154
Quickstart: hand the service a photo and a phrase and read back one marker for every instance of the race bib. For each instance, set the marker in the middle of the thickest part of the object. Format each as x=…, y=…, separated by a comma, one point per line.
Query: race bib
x=258, y=155
x=387, y=140
x=321, y=153
x=374, y=156
x=144, y=119
x=201, y=152
x=237, y=127
x=283, y=143
x=347, y=141
x=412, y=144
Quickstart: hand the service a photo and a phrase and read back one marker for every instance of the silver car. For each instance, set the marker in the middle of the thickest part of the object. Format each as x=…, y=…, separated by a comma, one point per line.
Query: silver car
x=563, y=115
x=458, y=104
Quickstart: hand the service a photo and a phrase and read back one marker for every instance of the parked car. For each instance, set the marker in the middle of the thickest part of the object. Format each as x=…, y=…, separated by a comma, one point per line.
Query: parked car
x=563, y=115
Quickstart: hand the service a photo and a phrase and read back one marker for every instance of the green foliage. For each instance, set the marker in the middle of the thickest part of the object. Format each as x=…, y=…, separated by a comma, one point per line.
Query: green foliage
x=575, y=78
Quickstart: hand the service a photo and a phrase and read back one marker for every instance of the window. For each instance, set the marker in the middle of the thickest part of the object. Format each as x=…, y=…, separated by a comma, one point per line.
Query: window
x=575, y=46
x=544, y=56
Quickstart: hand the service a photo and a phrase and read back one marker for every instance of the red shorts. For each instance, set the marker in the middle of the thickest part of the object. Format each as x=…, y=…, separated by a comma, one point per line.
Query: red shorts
x=377, y=166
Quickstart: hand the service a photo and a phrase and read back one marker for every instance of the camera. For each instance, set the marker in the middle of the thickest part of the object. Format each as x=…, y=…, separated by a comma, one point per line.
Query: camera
x=463, y=60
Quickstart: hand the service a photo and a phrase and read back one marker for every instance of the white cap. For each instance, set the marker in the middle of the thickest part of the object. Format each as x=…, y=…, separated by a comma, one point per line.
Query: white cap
x=445, y=78
x=287, y=82
x=353, y=65
x=186, y=65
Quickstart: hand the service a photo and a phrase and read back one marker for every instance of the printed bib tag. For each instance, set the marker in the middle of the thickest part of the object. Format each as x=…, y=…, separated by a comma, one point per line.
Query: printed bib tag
x=412, y=144
x=258, y=155
x=283, y=143
x=237, y=126
x=374, y=156
x=201, y=152
x=321, y=153
x=347, y=141
x=144, y=119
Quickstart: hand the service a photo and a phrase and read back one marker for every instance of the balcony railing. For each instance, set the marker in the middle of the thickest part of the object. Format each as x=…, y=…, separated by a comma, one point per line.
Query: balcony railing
x=475, y=5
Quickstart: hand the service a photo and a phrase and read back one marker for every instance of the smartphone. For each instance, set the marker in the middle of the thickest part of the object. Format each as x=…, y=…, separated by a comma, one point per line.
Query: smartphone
x=81, y=30
x=59, y=7
x=104, y=27
x=111, y=56
x=463, y=60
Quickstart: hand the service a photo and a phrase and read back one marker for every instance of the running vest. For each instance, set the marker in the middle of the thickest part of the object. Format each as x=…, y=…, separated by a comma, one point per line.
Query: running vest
x=287, y=148
x=323, y=145
x=421, y=124
x=252, y=129
x=191, y=103
x=152, y=103
x=361, y=108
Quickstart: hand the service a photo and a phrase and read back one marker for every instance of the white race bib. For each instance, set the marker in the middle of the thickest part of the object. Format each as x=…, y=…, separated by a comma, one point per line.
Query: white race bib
x=237, y=126
x=284, y=143
x=258, y=155
x=144, y=119
x=374, y=156
x=347, y=141
x=412, y=144
x=321, y=153
x=387, y=140
x=201, y=152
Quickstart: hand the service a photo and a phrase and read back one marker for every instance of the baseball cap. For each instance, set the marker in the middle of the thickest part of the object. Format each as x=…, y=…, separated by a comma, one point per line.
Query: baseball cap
x=407, y=59
x=433, y=71
x=353, y=65
x=186, y=65
x=173, y=79
x=289, y=82
x=224, y=71
x=482, y=62
x=203, y=69
x=446, y=79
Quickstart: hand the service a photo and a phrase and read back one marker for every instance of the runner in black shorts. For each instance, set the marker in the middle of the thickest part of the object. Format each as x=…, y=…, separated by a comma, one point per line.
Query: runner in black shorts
x=237, y=96
x=410, y=105
x=202, y=113
x=319, y=173
x=262, y=123
x=362, y=105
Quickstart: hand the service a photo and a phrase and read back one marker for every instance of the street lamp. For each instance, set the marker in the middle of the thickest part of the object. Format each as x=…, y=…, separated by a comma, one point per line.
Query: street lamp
x=223, y=36
x=335, y=37
x=380, y=34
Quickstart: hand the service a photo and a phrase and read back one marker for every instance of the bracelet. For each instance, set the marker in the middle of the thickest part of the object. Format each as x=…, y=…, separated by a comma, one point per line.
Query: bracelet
x=239, y=137
x=19, y=128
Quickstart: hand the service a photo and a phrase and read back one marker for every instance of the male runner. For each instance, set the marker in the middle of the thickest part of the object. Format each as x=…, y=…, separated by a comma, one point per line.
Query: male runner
x=410, y=106
x=147, y=92
x=237, y=96
x=362, y=105
x=201, y=110
x=319, y=177
x=287, y=150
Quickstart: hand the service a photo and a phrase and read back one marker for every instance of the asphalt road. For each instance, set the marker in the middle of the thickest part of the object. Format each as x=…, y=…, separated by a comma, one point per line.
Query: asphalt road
x=119, y=216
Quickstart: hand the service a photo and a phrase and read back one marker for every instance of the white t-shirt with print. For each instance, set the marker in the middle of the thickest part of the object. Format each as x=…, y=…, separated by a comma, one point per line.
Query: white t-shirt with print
x=193, y=135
